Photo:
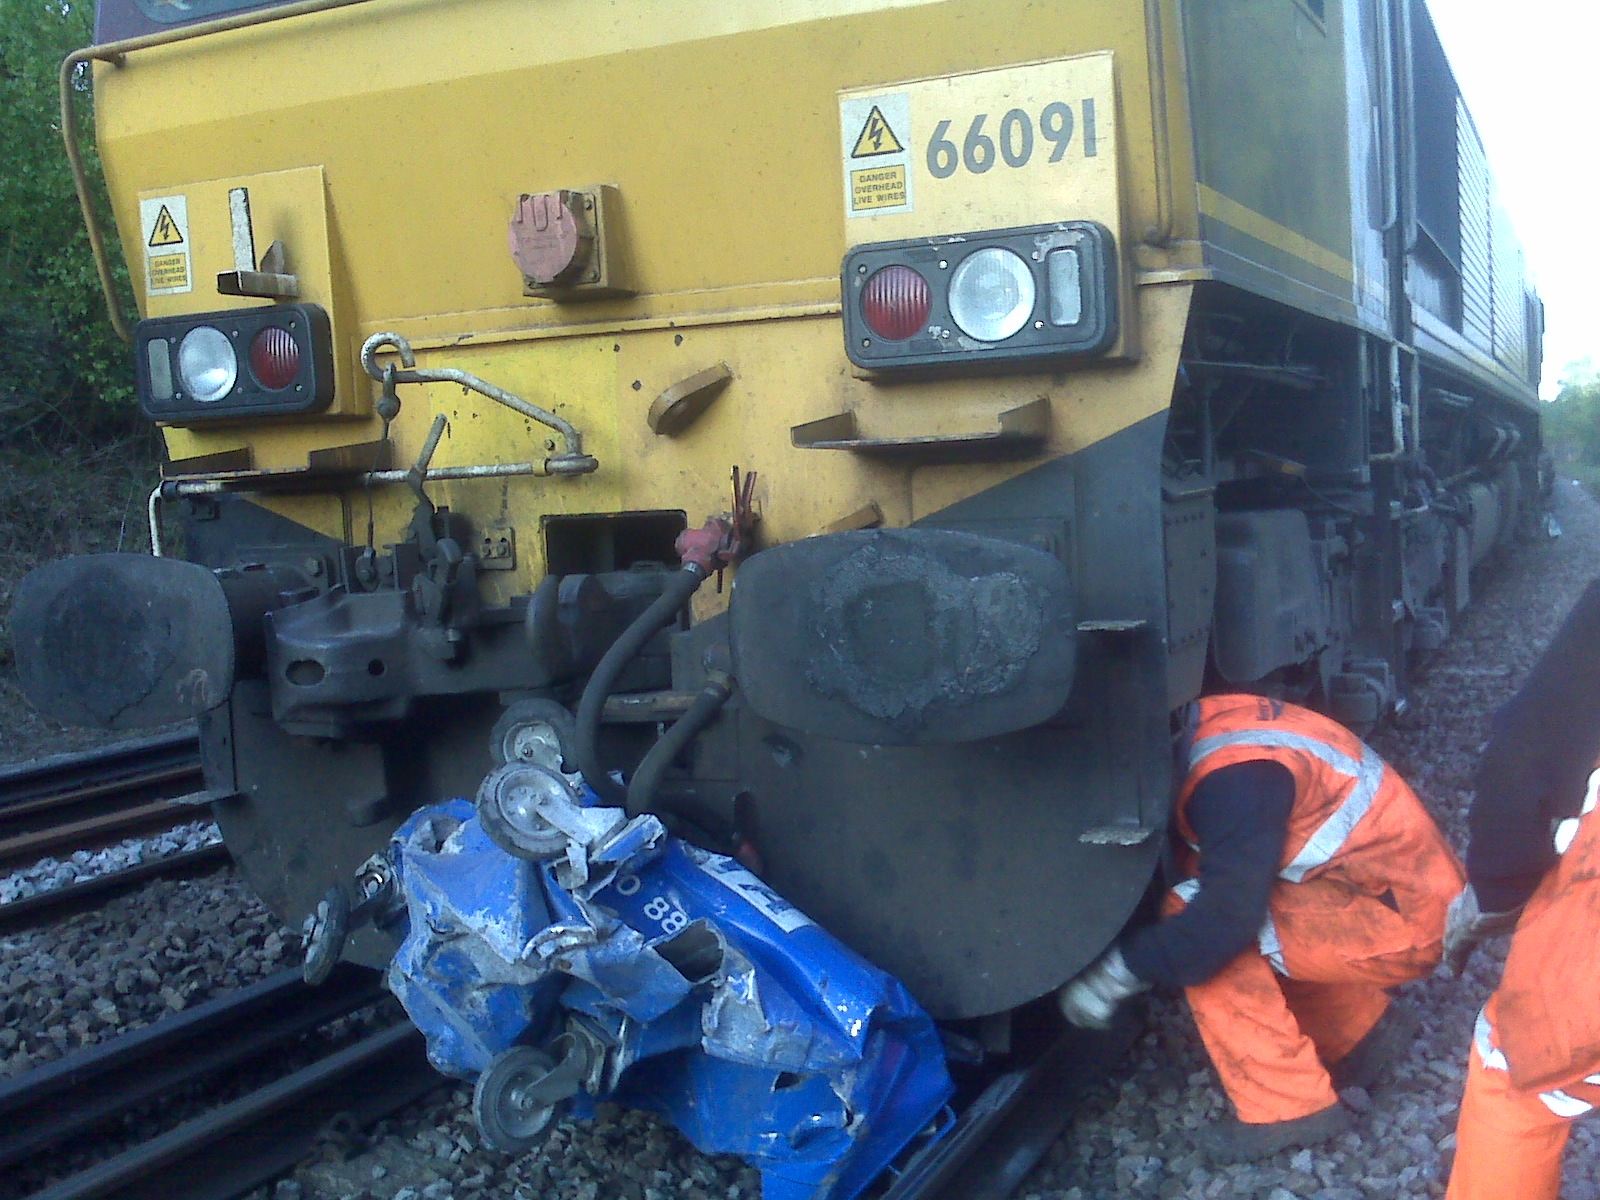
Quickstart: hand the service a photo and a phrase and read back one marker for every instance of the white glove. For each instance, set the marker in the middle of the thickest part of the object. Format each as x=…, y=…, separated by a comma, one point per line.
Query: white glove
x=1089, y=1000
x=1465, y=925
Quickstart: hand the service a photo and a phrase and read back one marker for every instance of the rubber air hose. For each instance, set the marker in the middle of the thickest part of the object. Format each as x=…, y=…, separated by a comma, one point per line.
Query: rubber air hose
x=647, y=777
x=683, y=584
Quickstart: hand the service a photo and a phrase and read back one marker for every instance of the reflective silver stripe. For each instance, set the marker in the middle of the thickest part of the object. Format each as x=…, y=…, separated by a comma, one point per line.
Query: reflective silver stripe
x=1271, y=947
x=1280, y=739
x=1327, y=840
x=1566, y=831
x=1483, y=1038
x=1558, y=1102
x=1266, y=939
x=1332, y=834
x=1564, y=1105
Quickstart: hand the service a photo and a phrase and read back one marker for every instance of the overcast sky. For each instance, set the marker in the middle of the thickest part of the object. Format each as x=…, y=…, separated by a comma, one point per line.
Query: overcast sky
x=1530, y=72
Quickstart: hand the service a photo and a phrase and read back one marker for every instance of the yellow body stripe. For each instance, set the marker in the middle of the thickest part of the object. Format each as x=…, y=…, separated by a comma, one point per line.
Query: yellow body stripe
x=1264, y=229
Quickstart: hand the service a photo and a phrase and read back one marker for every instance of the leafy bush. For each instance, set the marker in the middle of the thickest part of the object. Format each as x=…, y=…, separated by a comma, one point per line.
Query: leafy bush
x=65, y=378
x=76, y=458
x=1572, y=424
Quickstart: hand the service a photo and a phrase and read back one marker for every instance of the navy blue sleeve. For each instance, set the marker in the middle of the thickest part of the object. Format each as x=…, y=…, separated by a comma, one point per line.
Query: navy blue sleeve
x=1542, y=746
x=1240, y=817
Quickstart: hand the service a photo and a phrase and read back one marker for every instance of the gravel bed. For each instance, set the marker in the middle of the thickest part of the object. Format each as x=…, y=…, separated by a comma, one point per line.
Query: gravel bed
x=154, y=951
x=48, y=874
x=172, y=943
x=1134, y=1136
x=142, y=956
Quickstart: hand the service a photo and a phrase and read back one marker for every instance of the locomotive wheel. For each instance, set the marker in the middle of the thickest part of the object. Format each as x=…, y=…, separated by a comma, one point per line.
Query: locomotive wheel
x=534, y=731
x=508, y=1104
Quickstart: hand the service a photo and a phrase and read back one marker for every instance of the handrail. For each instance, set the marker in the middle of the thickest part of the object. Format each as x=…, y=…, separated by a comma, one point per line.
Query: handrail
x=572, y=462
x=1160, y=233
x=115, y=52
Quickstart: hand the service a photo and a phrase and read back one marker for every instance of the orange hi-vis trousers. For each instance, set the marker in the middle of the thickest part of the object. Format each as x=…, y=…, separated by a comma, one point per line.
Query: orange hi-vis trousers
x=1275, y=1018
x=1535, y=1061
x=1509, y=1140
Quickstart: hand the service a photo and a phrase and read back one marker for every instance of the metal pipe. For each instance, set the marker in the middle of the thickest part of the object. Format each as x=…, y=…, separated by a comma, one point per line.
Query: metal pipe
x=174, y=488
x=647, y=776
x=153, y=514
x=418, y=474
x=683, y=584
x=573, y=462
x=1397, y=411
x=116, y=53
x=482, y=471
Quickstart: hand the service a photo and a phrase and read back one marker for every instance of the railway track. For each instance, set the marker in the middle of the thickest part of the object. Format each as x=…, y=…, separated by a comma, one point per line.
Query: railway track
x=86, y=801
x=1003, y=1131
x=227, y=1150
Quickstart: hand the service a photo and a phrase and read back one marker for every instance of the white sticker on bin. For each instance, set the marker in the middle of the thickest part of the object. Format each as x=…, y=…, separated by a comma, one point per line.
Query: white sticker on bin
x=771, y=905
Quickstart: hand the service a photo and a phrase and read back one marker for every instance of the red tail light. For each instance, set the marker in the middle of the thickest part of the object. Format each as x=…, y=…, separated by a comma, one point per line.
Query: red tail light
x=896, y=302
x=274, y=358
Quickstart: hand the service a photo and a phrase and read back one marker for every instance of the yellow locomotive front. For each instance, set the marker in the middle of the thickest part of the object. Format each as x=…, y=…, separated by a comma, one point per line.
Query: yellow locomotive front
x=457, y=316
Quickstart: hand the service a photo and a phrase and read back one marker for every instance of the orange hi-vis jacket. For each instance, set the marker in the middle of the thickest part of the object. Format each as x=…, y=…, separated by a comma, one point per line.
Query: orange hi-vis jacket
x=1356, y=829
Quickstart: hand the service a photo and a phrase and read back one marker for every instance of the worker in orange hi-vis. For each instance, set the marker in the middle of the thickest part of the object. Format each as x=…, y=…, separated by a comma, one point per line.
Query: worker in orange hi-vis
x=1310, y=879
x=1534, y=1063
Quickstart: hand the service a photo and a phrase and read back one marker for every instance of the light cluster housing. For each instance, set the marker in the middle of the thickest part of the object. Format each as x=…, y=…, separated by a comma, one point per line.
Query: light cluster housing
x=1006, y=295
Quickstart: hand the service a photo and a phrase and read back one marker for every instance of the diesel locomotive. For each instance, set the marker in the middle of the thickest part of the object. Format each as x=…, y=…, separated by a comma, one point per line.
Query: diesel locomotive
x=846, y=429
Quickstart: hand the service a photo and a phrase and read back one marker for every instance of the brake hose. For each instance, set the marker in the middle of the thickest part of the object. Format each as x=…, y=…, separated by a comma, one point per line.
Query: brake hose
x=683, y=584
x=647, y=776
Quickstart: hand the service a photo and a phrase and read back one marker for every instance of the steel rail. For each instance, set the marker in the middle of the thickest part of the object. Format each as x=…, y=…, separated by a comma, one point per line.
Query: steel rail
x=90, y=799
x=89, y=893
x=1003, y=1133
x=12, y=810
x=239, y=1145
x=92, y=832
x=44, y=777
x=82, y=802
x=243, y=1144
x=50, y=1104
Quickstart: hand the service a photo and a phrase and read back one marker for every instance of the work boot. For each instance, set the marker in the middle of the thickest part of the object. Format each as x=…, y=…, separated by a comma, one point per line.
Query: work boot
x=1374, y=1054
x=1233, y=1141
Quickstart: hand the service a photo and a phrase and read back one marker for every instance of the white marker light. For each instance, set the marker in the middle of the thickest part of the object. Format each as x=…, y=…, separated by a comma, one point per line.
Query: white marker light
x=159, y=357
x=1065, y=283
x=207, y=365
x=991, y=294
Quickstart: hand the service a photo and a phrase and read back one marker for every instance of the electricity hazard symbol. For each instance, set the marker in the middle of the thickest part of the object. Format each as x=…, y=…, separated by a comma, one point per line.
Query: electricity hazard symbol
x=164, y=222
x=874, y=132
x=876, y=137
x=166, y=231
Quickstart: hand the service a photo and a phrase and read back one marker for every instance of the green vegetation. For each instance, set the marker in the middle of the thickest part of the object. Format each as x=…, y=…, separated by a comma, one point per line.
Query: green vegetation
x=1572, y=424
x=65, y=378
x=76, y=458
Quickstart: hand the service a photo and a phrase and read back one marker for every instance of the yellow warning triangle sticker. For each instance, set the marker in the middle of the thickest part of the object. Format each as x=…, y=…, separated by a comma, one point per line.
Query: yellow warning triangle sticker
x=876, y=137
x=166, y=232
